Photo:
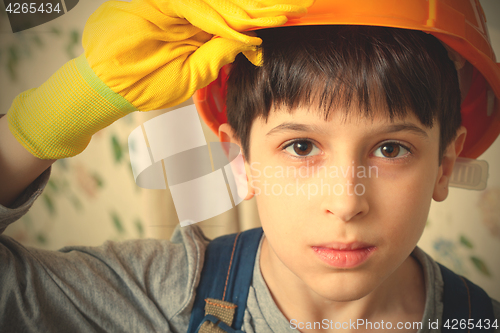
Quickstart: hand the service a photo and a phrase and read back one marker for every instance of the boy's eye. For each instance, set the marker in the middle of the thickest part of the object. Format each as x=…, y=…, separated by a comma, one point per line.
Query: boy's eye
x=391, y=150
x=302, y=148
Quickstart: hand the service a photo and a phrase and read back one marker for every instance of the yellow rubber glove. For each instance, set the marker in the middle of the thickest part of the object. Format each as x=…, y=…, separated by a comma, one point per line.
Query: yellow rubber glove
x=139, y=55
x=178, y=54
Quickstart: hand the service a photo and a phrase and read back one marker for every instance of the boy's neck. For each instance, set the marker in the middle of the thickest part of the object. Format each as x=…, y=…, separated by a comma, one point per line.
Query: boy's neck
x=400, y=298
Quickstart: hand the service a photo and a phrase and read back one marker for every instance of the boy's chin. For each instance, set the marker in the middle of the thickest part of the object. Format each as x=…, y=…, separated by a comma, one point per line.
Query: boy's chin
x=346, y=289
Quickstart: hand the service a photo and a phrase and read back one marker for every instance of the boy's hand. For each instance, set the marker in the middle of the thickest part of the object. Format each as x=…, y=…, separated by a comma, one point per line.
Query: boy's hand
x=139, y=55
x=157, y=53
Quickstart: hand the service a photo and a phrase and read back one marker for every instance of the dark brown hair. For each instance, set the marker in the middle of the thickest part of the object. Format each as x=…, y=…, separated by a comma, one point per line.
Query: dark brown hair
x=335, y=66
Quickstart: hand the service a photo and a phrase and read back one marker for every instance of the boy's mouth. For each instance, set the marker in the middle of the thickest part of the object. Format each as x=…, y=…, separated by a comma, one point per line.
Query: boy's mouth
x=341, y=255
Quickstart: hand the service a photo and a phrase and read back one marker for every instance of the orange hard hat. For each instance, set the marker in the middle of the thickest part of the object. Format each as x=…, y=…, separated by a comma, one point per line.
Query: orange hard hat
x=459, y=24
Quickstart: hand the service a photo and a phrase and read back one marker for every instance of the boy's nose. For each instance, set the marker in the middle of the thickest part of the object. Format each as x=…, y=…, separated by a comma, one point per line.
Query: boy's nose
x=347, y=200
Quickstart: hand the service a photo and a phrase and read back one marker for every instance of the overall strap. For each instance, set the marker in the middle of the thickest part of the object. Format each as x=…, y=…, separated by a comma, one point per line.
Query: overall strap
x=463, y=300
x=222, y=293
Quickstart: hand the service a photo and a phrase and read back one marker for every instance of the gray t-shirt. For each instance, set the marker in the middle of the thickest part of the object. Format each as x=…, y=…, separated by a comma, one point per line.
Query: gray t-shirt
x=132, y=286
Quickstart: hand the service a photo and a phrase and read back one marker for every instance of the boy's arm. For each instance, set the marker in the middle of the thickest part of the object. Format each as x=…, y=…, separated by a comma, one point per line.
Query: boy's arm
x=132, y=286
x=18, y=167
x=139, y=55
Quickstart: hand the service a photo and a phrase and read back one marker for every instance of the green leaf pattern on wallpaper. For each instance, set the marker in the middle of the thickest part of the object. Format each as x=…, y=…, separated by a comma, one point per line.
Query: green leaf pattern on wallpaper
x=480, y=265
x=19, y=47
x=489, y=206
x=461, y=254
x=117, y=149
x=449, y=252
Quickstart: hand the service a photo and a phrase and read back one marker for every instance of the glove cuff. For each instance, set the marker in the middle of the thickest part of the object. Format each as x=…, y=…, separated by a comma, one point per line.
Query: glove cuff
x=58, y=119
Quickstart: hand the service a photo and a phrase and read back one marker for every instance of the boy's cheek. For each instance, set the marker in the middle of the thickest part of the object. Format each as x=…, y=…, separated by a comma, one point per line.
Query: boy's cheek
x=416, y=180
x=407, y=199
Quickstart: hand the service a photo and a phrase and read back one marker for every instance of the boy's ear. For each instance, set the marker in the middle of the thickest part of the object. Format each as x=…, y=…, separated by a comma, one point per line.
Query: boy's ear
x=238, y=163
x=448, y=162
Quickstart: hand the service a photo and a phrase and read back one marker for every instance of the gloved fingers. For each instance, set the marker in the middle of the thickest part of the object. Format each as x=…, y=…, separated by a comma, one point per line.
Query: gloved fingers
x=252, y=53
x=203, y=16
x=194, y=71
x=138, y=20
x=245, y=14
x=206, y=62
x=122, y=29
x=157, y=53
x=185, y=65
x=290, y=11
x=268, y=3
x=239, y=24
x=159, y=70
x=227, y=19
x=254, y=56
x=288, y=8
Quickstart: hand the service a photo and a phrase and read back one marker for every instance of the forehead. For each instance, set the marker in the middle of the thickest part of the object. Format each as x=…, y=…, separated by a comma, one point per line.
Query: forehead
x=318, y=117
x=338, y=123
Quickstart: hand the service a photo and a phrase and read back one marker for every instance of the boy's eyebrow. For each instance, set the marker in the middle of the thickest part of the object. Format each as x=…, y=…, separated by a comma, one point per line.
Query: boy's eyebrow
x=406, y=127
x=290, y=126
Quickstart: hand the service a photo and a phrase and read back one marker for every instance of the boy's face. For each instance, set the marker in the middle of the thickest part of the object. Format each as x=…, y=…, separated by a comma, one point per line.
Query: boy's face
x=344, y=206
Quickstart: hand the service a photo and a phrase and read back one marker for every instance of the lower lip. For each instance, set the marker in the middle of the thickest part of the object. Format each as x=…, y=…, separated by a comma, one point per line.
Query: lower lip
x=344, y=258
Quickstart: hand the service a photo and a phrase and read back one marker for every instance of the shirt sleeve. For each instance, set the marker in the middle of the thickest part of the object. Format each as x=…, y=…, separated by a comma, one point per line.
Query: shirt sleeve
x=24, y=202
x=131, y=286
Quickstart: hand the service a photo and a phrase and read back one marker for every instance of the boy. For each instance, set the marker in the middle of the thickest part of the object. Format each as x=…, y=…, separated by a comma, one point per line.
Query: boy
x=382, y=99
